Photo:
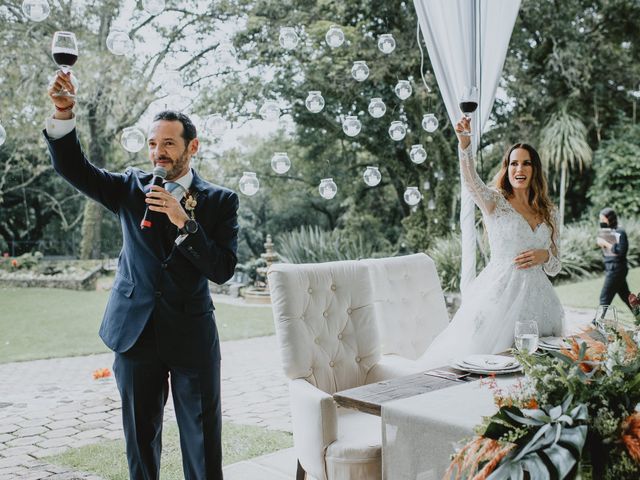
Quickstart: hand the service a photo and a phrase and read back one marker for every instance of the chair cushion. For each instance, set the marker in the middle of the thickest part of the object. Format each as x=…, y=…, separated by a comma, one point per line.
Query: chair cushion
x=409, y=303
x=357, y=453
x=325, y=322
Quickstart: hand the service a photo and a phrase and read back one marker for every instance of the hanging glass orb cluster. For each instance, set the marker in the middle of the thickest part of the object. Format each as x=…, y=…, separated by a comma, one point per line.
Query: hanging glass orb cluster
x=36, y=10
x=119, y=43
x=215, y=125
x=351, y=125
x=132, y=139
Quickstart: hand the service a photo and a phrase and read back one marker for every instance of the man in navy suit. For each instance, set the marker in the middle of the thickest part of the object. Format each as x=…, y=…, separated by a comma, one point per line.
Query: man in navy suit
x=159, y=320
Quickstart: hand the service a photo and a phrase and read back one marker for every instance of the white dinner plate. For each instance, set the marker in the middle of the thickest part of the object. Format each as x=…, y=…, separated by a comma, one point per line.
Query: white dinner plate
x=487, y=364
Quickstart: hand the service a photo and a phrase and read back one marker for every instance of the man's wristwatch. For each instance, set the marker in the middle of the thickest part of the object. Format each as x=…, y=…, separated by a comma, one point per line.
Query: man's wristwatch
x=190, y=226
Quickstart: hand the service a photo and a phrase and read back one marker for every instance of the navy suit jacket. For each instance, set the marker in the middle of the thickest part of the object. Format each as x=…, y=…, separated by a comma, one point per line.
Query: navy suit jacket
x=168, y=285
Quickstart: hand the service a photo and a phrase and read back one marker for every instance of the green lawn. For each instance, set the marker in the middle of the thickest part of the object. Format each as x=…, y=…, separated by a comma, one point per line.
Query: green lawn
x=239, y=442
x=585, y=294
x=45, y=322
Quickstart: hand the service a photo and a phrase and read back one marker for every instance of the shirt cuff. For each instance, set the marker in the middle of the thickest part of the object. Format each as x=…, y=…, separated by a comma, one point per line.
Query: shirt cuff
x=59, y=128
x=181, y=238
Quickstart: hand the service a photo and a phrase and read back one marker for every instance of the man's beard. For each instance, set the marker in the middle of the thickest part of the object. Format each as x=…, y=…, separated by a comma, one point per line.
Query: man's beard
x=177, y=166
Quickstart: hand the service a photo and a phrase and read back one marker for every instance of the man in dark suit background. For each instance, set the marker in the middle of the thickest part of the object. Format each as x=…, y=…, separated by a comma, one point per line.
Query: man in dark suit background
x=159, y=320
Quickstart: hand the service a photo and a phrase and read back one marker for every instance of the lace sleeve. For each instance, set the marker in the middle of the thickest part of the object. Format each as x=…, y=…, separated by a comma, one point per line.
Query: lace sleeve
x=553, y=265
x=482, y=195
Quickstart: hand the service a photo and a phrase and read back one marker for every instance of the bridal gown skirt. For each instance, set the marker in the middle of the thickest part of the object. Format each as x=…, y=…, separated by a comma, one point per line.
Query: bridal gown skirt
x=499, y=297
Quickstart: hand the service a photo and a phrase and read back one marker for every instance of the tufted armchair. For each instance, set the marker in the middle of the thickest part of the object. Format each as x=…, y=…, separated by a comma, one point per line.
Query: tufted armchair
x=328, y=339
x=410, y=306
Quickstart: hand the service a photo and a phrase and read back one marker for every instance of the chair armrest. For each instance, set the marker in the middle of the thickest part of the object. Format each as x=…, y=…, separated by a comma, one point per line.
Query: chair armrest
x=391, y=366
x=315, y=425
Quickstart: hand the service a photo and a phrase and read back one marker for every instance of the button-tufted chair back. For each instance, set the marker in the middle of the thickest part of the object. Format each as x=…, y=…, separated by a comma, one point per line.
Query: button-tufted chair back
x=409, y=303
x=325, y=322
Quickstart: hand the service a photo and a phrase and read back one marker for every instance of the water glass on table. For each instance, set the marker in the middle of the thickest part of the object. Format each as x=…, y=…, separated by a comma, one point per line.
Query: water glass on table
x=526, y=336
x=606, y=316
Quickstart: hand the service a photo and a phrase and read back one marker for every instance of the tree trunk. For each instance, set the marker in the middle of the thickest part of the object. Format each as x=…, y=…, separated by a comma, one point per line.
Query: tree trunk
x=91, y=230
x=563, y=190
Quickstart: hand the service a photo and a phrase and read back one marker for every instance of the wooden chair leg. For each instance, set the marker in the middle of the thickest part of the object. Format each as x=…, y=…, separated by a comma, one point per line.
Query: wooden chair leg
x=300, y=473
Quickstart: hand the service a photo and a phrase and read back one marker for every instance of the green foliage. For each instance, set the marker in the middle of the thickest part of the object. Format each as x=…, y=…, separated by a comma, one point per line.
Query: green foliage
x=314, y=245
x=617, y=174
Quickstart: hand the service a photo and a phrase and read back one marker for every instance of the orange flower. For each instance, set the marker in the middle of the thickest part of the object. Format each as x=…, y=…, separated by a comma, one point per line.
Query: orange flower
x=466, y=462
x=630, y=435
x=101, y=373
x=595, y=352
x=14, y=263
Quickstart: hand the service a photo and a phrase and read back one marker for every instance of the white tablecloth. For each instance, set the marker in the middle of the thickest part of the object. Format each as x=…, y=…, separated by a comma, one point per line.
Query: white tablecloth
x=419, y=434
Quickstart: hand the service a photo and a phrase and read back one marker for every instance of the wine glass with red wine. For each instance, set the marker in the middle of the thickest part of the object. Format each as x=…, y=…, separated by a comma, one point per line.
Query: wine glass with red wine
x=64, y=50
x=468, y=104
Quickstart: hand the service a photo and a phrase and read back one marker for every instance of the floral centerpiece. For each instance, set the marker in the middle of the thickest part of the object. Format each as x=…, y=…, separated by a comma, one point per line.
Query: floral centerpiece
x=574, y=415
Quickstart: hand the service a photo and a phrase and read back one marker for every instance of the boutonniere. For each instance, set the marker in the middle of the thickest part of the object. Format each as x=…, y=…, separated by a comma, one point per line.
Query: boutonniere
x=190, y=203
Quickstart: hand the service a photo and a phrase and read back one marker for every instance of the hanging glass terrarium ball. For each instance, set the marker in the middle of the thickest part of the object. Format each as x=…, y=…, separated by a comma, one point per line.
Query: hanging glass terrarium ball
x=360, y=71
x=3, y=135
x=372, y=176
x=351, y=125
x=36, y=10
x=397, y=130
x=403, y=89
x=215, y=125
x=431, y=205
x=377, y=108
x=153, y=7
x=314, y=101
x=249, y=184
x=171, y=82
x=270, y=111
x=427, y=185
x=280, y=163
x=386, y=43
x=334, y=36
x=430, y=122
x=132, y=139
x=288, y=38
x=328, y=188
x=225, y=53
x=412, y=196
x=418, y=154
x=119, y=43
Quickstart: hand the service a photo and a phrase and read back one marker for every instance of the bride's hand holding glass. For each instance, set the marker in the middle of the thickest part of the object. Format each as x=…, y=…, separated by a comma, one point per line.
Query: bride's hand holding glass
x=463, y=125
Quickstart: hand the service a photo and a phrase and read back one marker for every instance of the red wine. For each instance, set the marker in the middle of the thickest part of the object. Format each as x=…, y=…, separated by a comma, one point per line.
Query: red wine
x=66, y=59
x=468, y=107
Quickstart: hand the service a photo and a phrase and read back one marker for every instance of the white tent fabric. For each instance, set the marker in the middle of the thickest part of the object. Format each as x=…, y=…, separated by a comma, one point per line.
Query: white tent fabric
x=467, y=43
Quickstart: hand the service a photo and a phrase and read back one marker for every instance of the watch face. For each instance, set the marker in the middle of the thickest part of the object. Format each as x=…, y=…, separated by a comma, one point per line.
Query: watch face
x=191, y=226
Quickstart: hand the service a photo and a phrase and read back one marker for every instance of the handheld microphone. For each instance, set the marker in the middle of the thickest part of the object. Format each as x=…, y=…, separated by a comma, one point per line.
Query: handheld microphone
x=159, y=175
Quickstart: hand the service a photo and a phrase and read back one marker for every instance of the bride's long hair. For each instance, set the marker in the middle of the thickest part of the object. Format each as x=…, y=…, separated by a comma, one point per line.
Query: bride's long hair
x=538, y=189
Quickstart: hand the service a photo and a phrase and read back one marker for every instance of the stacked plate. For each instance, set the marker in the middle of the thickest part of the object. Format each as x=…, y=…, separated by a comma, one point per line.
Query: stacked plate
x=553, y=343
x=487, y=364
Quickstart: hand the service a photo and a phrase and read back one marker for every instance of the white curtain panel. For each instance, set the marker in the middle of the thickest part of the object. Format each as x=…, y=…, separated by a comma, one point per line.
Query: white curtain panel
x=467, y=43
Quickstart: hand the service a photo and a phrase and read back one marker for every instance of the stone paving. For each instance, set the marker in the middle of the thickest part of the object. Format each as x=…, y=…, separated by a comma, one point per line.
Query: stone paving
x=49, y=406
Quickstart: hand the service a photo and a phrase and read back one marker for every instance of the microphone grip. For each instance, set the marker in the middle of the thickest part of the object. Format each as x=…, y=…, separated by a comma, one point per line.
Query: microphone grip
x=147, y=219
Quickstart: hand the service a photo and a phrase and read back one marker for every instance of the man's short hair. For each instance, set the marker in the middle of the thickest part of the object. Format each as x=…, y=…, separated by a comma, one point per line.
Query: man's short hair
x=188, y=128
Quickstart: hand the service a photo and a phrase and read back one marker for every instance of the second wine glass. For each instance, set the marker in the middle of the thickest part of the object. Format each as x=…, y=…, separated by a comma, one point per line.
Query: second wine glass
x=526, y=336
x=468, y=104
x=64, y=50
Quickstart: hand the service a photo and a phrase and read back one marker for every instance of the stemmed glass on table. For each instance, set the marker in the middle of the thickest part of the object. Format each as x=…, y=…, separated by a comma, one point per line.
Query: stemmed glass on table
x=64, y=50
x=526, y=336
x=606, y=316
x=468, y=104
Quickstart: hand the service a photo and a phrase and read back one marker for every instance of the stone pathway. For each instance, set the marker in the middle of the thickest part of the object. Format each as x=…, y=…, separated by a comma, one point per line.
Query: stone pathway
x=49, y=406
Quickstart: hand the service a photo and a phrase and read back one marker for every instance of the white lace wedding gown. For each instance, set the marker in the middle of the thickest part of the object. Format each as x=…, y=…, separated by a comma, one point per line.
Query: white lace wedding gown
x=501, y=294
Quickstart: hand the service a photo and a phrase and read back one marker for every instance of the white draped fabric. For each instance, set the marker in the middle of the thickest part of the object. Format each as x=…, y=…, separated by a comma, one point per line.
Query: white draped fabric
x=467, y=43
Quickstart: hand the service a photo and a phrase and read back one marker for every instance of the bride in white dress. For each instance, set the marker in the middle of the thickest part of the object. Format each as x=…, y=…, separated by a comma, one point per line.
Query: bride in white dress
x=522, y=229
